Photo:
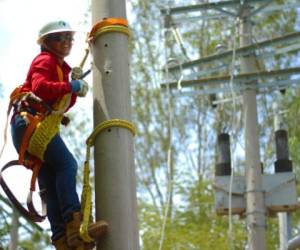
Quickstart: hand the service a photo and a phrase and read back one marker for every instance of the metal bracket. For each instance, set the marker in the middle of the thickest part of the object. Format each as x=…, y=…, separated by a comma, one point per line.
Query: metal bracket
x=274, y=186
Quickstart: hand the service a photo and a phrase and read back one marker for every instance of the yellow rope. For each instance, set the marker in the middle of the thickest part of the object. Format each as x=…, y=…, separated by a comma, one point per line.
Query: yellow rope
x=108, y=124
x=86, y=201
x=86, y=196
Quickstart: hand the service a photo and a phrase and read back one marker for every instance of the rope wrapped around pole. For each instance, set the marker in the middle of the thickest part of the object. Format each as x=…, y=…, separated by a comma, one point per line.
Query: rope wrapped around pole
x=113, y=24
x=86, y=196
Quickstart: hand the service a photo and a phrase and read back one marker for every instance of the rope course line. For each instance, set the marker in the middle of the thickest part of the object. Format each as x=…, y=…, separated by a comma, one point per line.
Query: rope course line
x=169, y=156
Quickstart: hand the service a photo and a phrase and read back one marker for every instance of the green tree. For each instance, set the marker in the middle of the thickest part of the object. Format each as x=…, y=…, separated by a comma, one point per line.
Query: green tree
x=191, y=124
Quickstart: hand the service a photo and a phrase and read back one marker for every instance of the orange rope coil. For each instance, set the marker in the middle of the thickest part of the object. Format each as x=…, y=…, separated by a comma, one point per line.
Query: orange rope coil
x=112, y=24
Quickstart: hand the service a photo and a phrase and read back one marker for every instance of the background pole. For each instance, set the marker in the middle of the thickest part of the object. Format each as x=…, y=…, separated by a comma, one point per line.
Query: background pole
x=256, y=221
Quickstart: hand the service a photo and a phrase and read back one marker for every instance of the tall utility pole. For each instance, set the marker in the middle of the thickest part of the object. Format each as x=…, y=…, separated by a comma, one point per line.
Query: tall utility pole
x=256, y=221
x=115, y=185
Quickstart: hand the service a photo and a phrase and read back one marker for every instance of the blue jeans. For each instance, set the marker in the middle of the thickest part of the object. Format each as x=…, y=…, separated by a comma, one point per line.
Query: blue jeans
x=57, y=176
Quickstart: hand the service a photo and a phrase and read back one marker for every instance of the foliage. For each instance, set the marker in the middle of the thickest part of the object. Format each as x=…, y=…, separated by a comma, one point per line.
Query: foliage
x=193, y=225
x=35, y=241
x=187, y=125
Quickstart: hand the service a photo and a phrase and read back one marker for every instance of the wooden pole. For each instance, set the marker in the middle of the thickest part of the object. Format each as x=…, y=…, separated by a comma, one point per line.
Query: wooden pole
x=115, y=185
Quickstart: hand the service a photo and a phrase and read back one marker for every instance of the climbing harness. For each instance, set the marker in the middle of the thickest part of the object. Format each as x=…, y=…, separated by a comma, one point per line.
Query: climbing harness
x=41, y=128
x=31, y=163
x=86, y=198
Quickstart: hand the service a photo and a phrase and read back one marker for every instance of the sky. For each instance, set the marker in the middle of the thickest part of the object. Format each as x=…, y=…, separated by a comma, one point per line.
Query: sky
x=20, y=22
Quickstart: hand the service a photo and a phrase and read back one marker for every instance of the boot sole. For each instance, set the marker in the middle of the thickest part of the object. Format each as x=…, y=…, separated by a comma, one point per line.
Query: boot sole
x=95, y=231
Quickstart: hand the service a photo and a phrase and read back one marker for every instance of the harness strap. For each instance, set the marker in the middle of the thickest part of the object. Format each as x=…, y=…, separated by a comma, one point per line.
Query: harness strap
x=31, y=213
x=33, y=121
x=36, y=164
x=33, y=162
x=16, y=94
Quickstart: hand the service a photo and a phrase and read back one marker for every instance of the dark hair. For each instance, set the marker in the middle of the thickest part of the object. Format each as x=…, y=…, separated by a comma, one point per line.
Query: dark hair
x=45, y=41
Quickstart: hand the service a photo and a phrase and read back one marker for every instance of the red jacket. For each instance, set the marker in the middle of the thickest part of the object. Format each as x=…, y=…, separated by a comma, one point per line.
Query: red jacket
x=42, y=79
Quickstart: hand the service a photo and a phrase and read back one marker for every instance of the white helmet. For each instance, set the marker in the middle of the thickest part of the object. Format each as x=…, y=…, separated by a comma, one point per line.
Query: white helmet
x=53, y=27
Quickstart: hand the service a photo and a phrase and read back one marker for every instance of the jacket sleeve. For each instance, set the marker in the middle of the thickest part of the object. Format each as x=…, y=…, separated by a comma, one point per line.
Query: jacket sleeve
x=43, y=81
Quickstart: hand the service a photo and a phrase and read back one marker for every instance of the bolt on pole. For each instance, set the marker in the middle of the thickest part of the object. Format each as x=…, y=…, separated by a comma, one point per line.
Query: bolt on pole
x=256, y=221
